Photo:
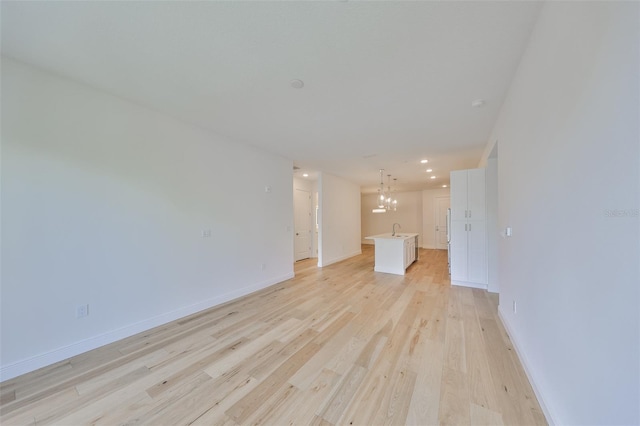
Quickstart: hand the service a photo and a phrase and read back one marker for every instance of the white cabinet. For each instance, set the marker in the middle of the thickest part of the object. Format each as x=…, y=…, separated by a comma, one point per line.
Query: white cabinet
x=468, y=228
x=410, y=252
x=468, y=195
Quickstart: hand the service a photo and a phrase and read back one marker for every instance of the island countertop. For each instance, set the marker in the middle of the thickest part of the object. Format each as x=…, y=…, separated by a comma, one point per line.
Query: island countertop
x=388, y=236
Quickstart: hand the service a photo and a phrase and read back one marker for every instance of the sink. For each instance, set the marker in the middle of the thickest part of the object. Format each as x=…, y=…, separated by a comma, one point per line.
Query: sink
x=400, y=236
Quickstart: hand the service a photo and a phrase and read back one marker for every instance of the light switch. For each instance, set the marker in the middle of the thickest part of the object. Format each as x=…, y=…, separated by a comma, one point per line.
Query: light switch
x=508, y=231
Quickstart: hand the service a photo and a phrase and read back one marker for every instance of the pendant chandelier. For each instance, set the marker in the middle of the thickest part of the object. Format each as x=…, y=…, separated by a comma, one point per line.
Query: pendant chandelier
x=386, y=201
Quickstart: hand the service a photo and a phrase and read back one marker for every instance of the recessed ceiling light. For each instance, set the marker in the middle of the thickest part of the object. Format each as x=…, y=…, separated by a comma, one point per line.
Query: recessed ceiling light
x=444, y=186
x=305, y=175
x=424, y=161
x=478, y=103
x=429, y=170
x=297, y=84
x=433, y=177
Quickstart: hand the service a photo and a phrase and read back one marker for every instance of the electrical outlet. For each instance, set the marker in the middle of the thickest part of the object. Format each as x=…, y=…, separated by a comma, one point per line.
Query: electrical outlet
x=515, y=307
x=82, y=311
x=206, y=233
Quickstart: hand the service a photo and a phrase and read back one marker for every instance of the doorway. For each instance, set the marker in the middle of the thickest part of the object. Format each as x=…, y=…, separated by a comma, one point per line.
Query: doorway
x=442, y=205
x=302, y=224
x=492, y=220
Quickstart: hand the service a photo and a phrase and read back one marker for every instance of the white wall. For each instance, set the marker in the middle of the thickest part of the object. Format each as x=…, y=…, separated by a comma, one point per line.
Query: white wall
x=104, y=203
x=339, y=202
x=408, y=215
x=569, y=186
x=429, y=197
x=493, y=232
x=416, y=213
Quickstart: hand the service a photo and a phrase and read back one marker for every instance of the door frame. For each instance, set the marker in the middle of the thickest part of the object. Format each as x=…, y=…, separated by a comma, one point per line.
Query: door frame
x=309, y=226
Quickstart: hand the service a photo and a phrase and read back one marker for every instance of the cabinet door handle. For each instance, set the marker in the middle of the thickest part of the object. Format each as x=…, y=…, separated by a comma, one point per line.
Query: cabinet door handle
x=465, y=227
x=465, y=213
x=469, y=227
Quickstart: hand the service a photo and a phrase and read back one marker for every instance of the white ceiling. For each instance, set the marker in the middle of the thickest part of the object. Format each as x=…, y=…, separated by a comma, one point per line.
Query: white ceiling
x=385, y=83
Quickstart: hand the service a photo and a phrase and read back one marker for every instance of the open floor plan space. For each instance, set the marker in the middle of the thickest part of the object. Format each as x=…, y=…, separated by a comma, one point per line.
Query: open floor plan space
x=336, y=345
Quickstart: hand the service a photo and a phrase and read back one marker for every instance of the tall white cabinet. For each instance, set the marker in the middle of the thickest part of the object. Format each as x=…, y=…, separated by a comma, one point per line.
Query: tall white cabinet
x=468, y=229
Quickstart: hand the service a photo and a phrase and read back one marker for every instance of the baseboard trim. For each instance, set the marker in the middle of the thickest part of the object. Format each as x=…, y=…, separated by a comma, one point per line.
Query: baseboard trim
x=48, y=358
x=548, y=414
x=341, y=258
x=468, y=284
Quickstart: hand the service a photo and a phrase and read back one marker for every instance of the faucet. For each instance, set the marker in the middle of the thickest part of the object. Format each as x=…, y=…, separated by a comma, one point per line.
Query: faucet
x=393, y=234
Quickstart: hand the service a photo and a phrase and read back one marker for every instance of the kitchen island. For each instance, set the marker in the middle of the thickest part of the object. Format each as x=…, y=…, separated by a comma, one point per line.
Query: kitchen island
x=394, y=253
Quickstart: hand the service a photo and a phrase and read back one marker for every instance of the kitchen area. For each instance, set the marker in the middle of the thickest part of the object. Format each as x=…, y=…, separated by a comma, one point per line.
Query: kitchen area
x=422, y=216
x=395, y=251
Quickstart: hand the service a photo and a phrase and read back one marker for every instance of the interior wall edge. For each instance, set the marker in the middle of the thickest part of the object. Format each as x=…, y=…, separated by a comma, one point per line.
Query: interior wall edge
x=340, y=258
x=491, y=143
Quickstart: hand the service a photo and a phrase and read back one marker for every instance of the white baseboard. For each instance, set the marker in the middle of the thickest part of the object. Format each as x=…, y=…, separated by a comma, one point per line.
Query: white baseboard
x=33, y=363
x=432, y=248
x=468, y=284
x=548, y=414
x=340, y=259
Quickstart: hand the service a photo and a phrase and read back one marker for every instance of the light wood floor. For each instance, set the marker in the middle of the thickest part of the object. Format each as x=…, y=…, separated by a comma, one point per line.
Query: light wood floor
x=338, y=345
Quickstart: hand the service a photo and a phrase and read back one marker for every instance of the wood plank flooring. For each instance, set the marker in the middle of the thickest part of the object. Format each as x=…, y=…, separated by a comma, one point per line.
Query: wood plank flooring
x=340, y=345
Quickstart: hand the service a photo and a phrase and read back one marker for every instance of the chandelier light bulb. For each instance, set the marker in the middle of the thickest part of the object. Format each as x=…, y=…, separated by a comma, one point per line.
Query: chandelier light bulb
x=385, y=200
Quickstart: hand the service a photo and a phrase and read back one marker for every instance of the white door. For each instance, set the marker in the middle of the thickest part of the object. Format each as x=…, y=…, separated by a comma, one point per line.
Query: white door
x=302, y=224
x=477, y=254
x=442, y=204
x=476, y=195
x=458, y=191
x=459, y=251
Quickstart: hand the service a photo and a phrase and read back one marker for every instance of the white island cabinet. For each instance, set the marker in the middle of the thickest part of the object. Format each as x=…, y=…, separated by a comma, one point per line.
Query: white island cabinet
x=394, y=253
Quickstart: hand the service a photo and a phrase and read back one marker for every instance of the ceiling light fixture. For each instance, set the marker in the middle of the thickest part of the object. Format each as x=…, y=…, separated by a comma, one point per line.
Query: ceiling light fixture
x=385, y=200
x=429, y=170
x=424, y=161
x=305, y=175
x=433, y=177
x=444, y=186
x=297, y=84
x=478, y=103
